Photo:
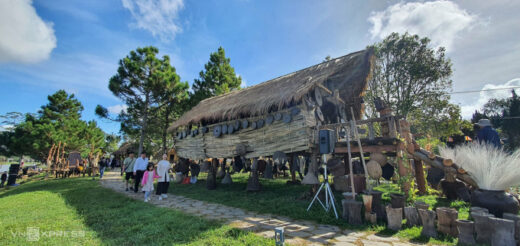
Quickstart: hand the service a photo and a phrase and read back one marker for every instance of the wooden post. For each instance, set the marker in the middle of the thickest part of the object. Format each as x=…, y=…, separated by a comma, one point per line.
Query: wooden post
x=403, y=171
x=49, y=159
x=371, y=133
x=351, y=175
x=362, y=155
x=419, y=177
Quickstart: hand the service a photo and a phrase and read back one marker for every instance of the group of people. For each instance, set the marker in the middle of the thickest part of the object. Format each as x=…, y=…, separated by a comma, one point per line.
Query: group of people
x=143, y=173
x=105, y=163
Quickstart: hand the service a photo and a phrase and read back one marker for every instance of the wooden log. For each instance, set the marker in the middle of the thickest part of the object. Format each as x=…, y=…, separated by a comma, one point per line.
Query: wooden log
x=437, y=162
x=367, y=149
x=447, y=162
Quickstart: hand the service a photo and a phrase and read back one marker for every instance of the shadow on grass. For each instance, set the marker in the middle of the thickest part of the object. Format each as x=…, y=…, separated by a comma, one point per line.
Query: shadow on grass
x=119, y=220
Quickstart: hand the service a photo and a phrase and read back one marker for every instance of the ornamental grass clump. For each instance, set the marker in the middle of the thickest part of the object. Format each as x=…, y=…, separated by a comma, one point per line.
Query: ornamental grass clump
x=490, y=167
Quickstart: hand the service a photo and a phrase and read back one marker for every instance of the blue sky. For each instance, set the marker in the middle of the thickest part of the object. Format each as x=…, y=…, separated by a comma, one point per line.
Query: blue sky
x=75, y=45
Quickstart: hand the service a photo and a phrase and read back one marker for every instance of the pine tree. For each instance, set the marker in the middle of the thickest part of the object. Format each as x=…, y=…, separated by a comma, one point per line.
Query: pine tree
x=511, y=122
x=217, y=78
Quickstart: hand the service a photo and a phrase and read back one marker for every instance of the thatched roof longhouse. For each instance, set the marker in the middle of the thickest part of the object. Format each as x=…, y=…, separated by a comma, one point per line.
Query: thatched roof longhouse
x=348, y=74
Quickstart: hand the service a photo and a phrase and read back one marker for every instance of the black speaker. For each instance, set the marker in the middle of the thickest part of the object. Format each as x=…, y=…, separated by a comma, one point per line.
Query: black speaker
x=327, y=139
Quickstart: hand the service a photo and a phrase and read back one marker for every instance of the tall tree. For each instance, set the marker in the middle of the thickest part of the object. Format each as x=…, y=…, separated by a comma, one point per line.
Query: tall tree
x=217, y=78
x=412, y=78
x=56, y=122
x=511, y=123
x=140, y=79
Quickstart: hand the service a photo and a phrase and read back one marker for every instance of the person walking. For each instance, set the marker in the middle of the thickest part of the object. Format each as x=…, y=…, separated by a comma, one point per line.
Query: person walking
x=487, y=134
x=139, y=167
x=3, y=179
x=148, y=177
x=128, y=167
x=163, y=168
x=102, y=166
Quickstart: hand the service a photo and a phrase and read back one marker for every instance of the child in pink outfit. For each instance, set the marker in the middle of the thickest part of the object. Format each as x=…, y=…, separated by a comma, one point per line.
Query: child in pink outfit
x=147, y=181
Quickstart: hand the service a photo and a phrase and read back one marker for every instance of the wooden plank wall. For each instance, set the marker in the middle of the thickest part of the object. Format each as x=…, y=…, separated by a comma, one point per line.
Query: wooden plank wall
x=296, y=136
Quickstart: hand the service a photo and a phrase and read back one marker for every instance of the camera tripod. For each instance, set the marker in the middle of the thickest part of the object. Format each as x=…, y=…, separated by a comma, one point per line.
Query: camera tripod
x=329, y=197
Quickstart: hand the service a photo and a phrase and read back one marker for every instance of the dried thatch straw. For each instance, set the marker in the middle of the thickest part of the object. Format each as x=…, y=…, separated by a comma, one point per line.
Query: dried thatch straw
x=490, y=167
x=348, y=74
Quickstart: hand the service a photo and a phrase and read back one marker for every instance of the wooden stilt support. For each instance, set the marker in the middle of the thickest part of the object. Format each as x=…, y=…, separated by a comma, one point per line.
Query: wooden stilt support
x=351, y=170
x=419, y=177
x=356, y=135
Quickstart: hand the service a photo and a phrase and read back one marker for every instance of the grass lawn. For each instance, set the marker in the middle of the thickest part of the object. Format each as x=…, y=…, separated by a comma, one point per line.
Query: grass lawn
x=285, y=200
x=86, y=213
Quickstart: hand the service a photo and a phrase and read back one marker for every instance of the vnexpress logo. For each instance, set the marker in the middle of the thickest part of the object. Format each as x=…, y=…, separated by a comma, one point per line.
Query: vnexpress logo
x=33, y=234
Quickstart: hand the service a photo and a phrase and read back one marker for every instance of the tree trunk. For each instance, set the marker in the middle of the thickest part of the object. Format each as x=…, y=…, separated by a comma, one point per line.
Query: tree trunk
x=143, y=125
x=165, y=130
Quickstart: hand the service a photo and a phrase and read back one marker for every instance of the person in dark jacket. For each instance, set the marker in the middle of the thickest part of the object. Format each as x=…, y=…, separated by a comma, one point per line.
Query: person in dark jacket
x=487, y=134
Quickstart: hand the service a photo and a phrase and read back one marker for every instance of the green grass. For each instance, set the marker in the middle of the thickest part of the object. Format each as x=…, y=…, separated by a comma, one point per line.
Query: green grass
x=281, y=199
x=103, y=217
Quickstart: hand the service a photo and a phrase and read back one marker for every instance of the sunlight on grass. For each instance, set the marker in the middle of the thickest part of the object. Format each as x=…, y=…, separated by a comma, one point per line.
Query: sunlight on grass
x=105, y=217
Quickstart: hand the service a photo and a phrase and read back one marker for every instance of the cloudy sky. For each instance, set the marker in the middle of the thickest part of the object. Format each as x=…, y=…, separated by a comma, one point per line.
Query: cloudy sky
x=75, y=45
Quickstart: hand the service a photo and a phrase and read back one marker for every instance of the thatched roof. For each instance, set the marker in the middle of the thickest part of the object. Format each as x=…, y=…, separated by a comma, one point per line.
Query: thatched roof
x=348, y=73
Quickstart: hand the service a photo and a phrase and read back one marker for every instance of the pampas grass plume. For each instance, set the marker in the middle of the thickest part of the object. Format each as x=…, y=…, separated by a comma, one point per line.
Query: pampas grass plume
x=490, y=167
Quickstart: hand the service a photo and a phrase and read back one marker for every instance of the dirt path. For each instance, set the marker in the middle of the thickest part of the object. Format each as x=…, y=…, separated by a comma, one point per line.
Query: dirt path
x=297, y=232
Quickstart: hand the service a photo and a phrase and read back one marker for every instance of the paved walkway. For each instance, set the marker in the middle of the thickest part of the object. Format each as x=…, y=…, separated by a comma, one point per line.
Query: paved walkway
x=297, y=232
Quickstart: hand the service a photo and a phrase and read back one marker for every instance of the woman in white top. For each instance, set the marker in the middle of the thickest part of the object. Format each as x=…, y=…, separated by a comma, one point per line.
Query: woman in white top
x=163, y=168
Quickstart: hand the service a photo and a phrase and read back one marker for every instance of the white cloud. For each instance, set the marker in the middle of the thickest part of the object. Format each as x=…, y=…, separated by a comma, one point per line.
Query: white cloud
x=156, y=16
x=24, y=36
x=441, y=21
x=116, y=109
x=484, y=96
x=6, y=127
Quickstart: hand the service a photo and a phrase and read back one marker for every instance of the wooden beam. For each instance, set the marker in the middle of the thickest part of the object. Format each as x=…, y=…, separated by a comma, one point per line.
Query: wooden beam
x=369, y=149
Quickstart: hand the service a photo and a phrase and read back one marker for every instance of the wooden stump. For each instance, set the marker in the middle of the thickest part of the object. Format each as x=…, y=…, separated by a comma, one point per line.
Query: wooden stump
x=268, y=173
x=394, y=217
x=345, y=208
x=466, y=229
x=516, y=219
x=477, y=210
x=371, y=217
x=421, y=205
x=376, y=204
x=428, y=222
x=412, y=216
x=253, y=183
x=446, y=218
x=367, y=201
x=503, y=232
x=483, y=227
x=354, y=212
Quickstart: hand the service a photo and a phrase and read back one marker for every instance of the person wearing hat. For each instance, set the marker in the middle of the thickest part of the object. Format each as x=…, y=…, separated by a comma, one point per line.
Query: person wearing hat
x=487, y=134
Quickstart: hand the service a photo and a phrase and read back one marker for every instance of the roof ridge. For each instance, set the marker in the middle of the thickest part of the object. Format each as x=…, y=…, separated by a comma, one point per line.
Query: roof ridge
x=272, y=80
